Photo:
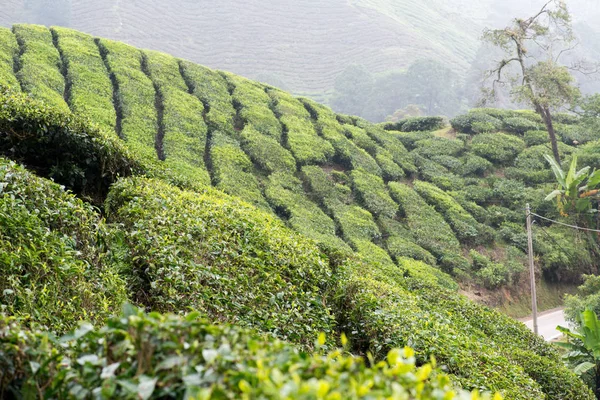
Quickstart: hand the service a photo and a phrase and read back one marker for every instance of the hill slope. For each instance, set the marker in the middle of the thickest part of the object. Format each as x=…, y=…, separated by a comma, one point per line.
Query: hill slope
x=352, y=190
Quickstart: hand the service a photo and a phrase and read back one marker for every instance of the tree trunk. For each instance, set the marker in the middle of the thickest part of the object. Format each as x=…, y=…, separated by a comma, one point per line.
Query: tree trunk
x=544, y=112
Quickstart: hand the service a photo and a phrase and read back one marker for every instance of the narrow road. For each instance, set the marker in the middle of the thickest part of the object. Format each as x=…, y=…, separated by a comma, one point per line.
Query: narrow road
x=547, y=322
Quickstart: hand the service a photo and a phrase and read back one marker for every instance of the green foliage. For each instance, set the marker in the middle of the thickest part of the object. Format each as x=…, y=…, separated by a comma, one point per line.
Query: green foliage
x=303, y=141
x=253, y=105
x=54, y=268
x=534, y=138
x=437, y=146
x=400, y=243
x=438, y=174
x=415, y=124
x=61, y=146
x=137, y=97
x=39, y=65
x=520, y=125
x=391, y=143
x=466, y=228
x=372, y=193
x=376, y=306
x=266, y=152
x=233, y=170
x=117, y=362
x=428, y=227
x=91, y=91
x=9, y=50
x=476, y=122
x=472, y=164
x=286, y=196
x=587, y=297
x=183, y=128
x=197, y=251
x=497, y=147
x=583, y=347
x=211, y=88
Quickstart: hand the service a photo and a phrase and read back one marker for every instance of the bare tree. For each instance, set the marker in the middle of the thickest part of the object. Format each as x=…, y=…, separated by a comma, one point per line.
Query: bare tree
x=540, y=80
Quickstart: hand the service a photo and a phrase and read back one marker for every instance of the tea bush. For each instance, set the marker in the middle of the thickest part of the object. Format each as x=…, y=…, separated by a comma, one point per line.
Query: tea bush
x=137, y=97
x=39, y=65
x=400, y=242
x=472, y=164
x=497, y=147
x=361, y=139
x=438, y=146
x=520, y=125
x=219, y=255
x=303, y=141
x=476, y=122
x=9, y=50
x=534, y=138
x=391, y=143
x=415, y=124
x=466, y=228
x=191, y=358
x=286, y=196
x=409, y=139
x=54, y=266
x=183, y=128
x=233, y=170
x=91, y=91
x=372, y=193
x=266, y=152
x=63, y=147
x=253, y=105
x=436, y=173
x=211, y=88
x=429, y=228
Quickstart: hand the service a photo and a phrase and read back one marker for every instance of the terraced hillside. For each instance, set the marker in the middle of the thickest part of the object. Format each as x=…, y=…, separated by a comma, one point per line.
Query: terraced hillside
x=315, y=222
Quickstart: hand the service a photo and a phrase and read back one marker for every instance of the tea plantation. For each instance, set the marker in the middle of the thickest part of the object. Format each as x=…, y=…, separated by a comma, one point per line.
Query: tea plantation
x=257, y=233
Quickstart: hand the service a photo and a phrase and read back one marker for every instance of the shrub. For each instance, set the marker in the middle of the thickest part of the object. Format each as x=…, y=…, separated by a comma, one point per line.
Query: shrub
x=497, y=147
x=400, y=242
x=91, y=91
x=423, y=276
x=39, y=65
x=233, y=171
x=372, y=193
x=576, y=134
x=286, y=195
x=379, y=309
x=389, y=169
x=325, y=188
x=54, y=269
x=466, y=228
x=520, y=125
x=136, y=96
x=429, y=228
x=266, y=152
x=304, y=143
x=355, y=223
x=587, y=296
x=392, y=144
x=472, y=164
x=360, y=138
x=439, y=146
x=183, y=128
x=372, y=254
x=438, y=174
x=253, y=105
x=9, y=50
x=472, y=122
x=183, y=345
x=531, y=166
x=408, y=139
x=414, y=124
x=221, y=256
x=62, y=147
x=589, y=154
x=211, y=88
x=534, y=138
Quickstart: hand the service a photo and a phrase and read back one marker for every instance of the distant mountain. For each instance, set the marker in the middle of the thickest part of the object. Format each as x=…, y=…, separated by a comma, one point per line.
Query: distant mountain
x=301, y=46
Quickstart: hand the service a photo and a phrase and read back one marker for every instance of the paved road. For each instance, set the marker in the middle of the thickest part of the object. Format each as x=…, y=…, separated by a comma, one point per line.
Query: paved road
x=547, y=323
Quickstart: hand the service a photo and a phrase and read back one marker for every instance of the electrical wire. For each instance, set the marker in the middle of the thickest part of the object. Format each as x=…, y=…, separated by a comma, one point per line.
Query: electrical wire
x=568, y=225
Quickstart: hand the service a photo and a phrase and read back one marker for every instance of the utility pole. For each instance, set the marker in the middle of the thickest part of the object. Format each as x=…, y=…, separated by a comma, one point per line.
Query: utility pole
x=531, y=269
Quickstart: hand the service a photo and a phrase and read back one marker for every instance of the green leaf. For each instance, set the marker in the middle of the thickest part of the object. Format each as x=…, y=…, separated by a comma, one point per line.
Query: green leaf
x=558, y=172
x=553, y=195
x=584, y=367
x=146, y=387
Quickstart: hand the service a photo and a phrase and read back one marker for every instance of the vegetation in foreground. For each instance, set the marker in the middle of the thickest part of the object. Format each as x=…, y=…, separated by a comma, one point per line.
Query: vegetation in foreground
x=372, y=266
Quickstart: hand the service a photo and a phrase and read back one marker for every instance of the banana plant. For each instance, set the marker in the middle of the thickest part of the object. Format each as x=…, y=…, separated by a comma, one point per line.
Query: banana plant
x=583, y=348
x=576, y=189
